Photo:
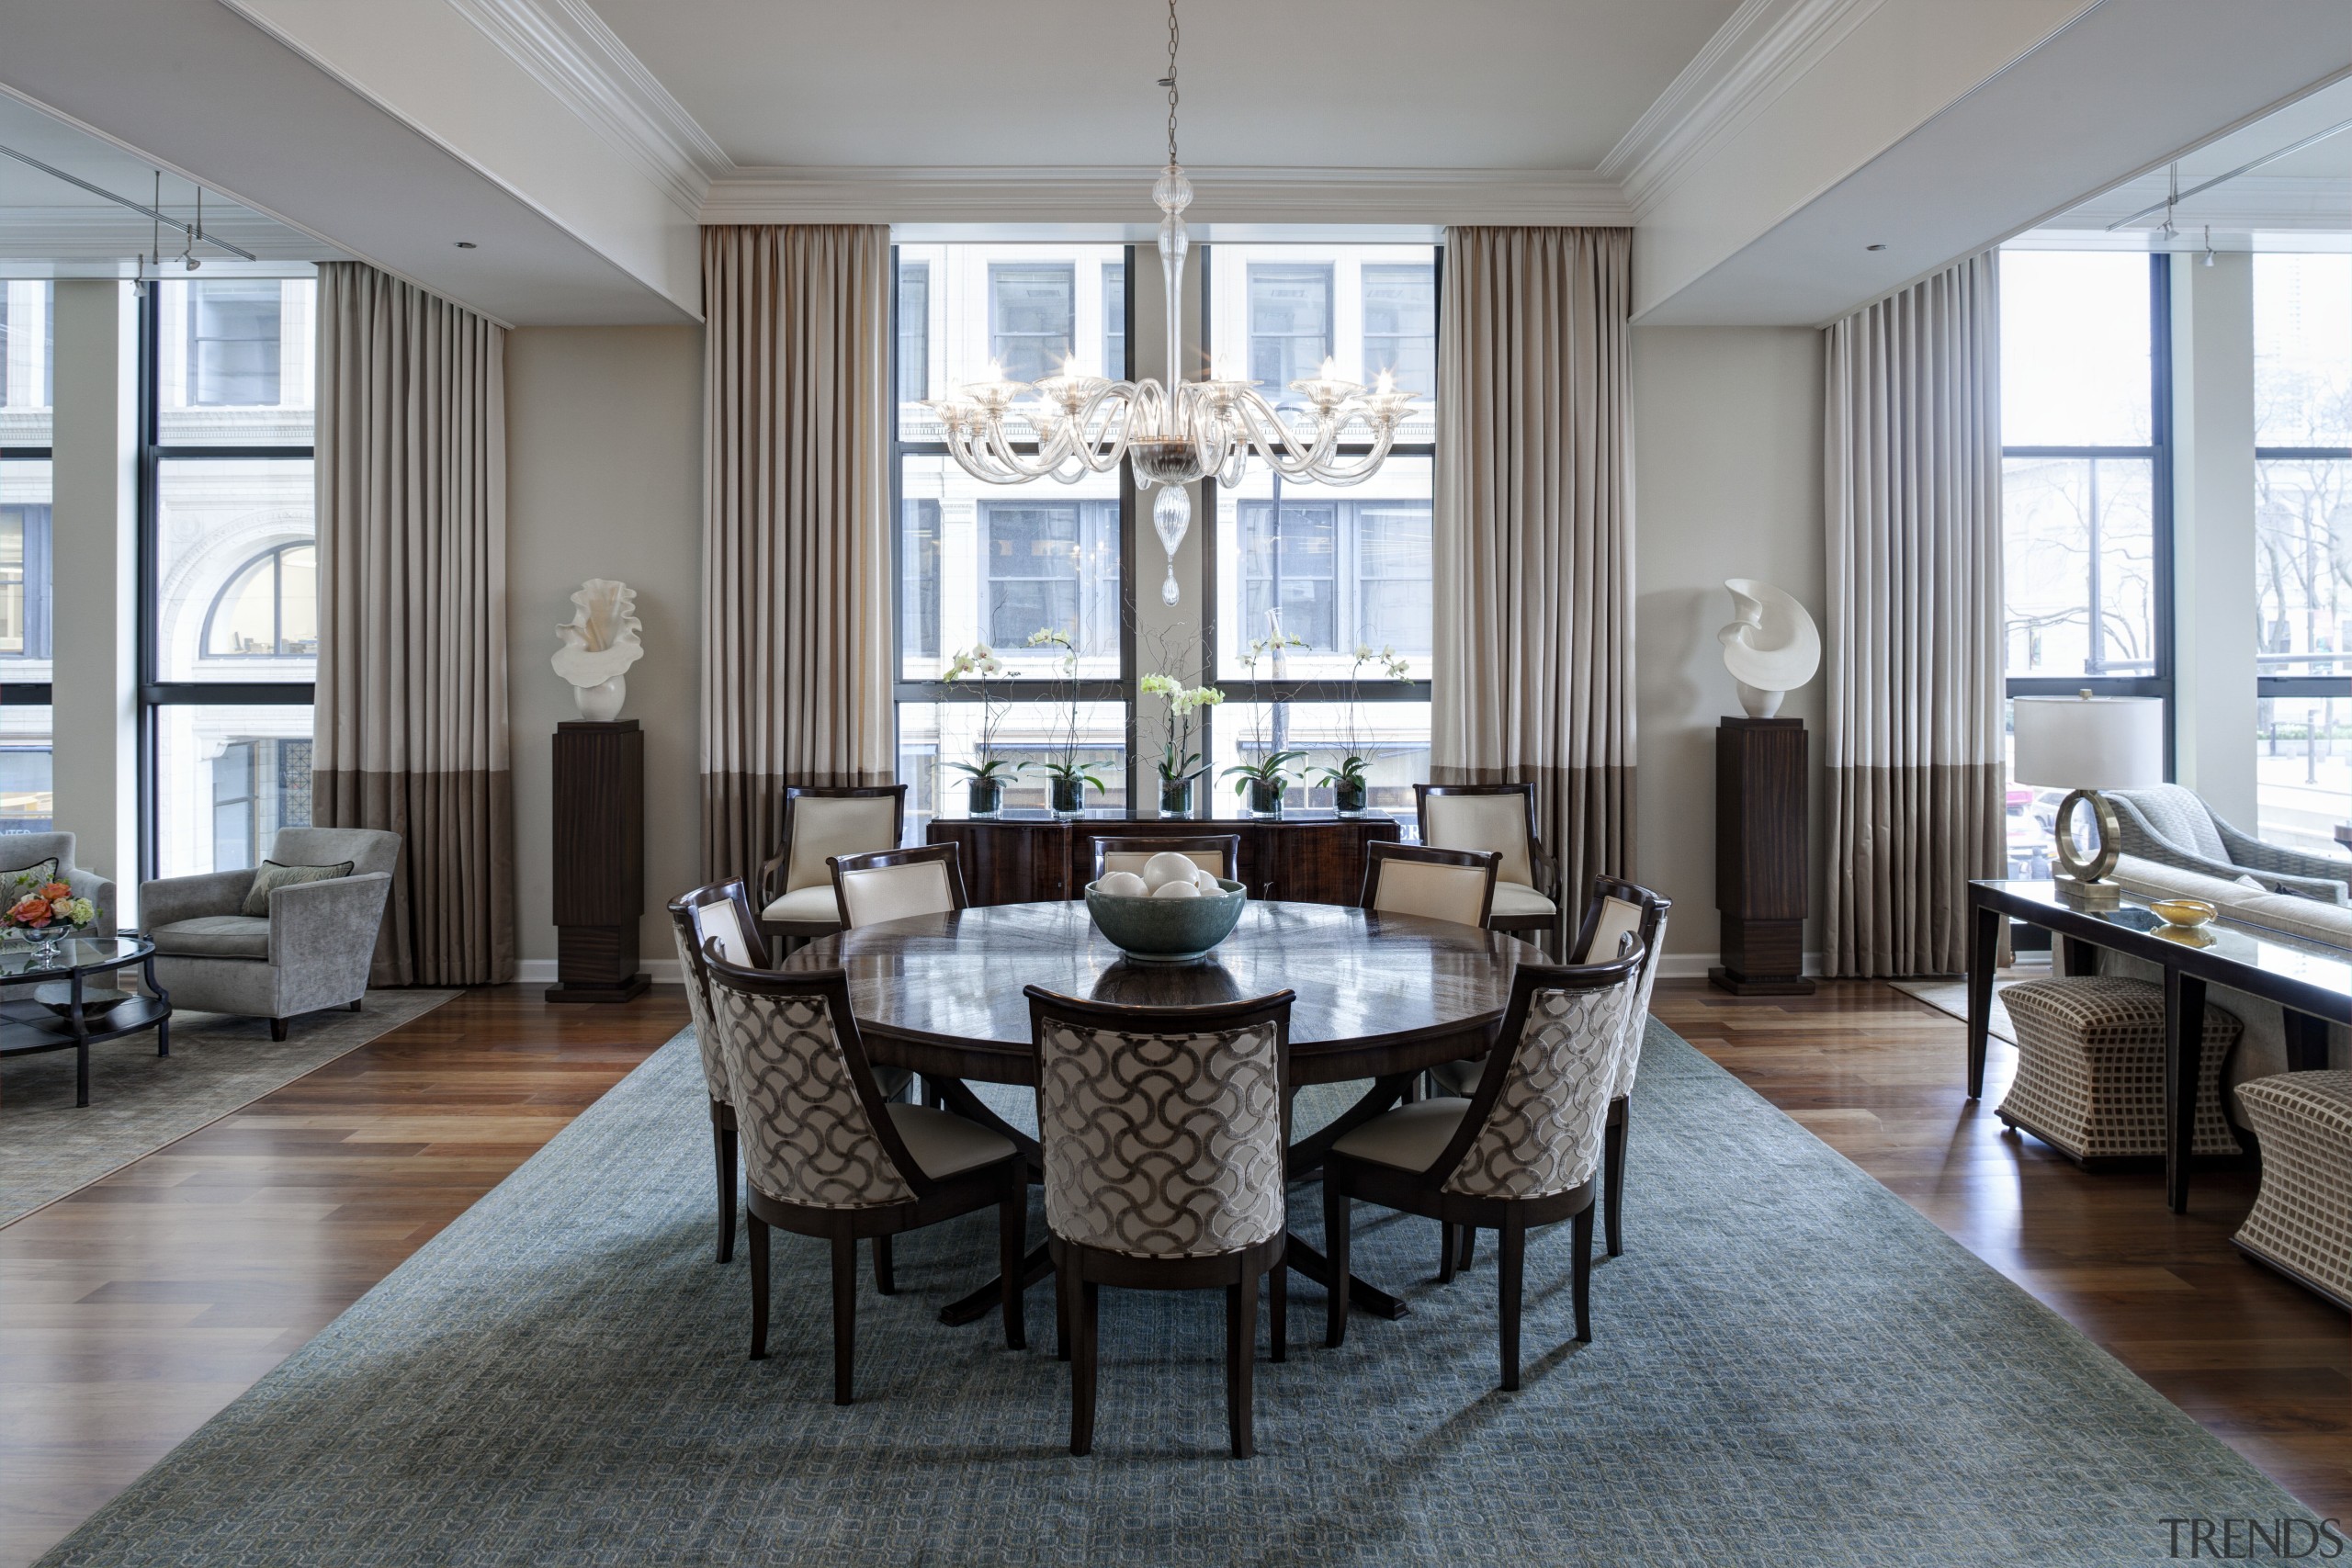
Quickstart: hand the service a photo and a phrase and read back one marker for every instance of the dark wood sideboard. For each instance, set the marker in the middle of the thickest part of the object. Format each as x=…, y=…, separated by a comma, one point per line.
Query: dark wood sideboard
x=1034, y=858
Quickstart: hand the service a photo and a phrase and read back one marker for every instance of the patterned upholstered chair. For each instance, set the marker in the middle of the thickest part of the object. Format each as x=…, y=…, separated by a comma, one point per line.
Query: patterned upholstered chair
x=819, y=823
x=1437, y=885
x=1164, y=1133
x=2301, y=1222
x=1219, y=855
x=826, y=1156
x=2090, y=1075
x=1522, y=1151
x=892, y=885
x=1501, y=818
x=2171, y=825
x=719, y=915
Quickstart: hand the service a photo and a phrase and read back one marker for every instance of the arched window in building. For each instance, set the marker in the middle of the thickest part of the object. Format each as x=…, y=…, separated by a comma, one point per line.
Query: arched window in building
x=269, y=608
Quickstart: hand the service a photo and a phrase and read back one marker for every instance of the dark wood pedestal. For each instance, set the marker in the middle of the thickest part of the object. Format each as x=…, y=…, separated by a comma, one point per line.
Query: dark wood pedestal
x=1760, y=871
x=599, y=860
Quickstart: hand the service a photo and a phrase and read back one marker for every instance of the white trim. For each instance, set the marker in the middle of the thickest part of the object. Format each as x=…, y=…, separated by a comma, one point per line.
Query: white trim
x=1758, y=54
x=542, y=971
x=567, y=49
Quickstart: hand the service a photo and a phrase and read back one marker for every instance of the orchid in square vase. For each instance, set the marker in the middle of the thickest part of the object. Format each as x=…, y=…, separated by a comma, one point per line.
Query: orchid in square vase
x=978, y=665
x=1179, y=763
x=1067, y=776
x=1348, y=781
x=1262, y=784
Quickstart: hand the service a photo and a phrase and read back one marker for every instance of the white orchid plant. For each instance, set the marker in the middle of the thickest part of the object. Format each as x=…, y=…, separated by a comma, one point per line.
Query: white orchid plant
x=1178, y=763
x=978, y=665
x=1066, y=766
x=1350, y=774
x=1271, y=771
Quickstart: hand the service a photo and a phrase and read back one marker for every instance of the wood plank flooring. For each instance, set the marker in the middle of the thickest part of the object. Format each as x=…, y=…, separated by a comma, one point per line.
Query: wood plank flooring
x=133, y=1310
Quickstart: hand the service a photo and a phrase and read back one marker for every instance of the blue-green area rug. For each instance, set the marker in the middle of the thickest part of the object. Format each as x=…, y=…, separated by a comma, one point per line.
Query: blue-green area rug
x=1788, y=1366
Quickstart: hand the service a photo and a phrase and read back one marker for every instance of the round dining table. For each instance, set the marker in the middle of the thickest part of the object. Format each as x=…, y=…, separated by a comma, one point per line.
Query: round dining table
x=1379, y=997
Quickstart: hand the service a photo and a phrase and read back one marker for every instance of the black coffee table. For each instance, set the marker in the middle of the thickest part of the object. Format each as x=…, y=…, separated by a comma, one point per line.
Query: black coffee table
x=45, y=1004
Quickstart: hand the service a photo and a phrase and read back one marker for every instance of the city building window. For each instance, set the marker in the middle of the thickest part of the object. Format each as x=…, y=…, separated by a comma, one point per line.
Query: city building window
x=914, y=332
x=26, y=802
x=1032, y=311
x=1114, y=321
x=24, y=583
x=1400, y=324
x=269, y=609
x=1290, y=324
x=919, y=584
x=232, y=342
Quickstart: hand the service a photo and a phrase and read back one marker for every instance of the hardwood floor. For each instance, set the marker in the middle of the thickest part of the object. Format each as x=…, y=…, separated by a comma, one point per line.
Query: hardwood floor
x=134, y=1309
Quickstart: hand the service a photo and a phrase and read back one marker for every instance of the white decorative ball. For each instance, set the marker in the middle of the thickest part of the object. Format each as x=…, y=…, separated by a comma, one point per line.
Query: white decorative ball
x=1175, y=890
x=1205, y=880
x=1124, y=885
x=1167, y=866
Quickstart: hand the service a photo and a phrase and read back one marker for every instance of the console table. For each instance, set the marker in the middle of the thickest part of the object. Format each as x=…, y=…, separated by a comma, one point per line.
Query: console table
x=1035, y=857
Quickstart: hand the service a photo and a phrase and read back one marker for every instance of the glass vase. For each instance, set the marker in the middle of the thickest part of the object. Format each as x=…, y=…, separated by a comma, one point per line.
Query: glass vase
x=1348, y=798
x=1175, y=798
x=984, y=797
x=1069, y=796
x=1265, y=797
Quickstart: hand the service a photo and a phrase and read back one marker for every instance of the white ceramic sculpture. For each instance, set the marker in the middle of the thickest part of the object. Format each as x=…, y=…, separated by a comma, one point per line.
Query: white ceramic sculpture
x=599, y=645
x=1771, y=646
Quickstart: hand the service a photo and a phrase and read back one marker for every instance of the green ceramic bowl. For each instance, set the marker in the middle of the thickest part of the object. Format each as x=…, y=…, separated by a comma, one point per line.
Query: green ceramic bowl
x=1167, y=931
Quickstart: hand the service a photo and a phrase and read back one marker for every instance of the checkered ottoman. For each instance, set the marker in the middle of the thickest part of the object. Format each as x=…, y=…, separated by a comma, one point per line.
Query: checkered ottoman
x=2091, y=1069
x=2301, y=1222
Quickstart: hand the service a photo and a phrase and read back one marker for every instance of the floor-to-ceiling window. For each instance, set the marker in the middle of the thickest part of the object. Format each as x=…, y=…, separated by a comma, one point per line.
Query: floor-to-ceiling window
x=28, y=382
x=229, y=579
x=1002, y=565
x=2302, y=432
x=1331, y=584
x=2085, y=497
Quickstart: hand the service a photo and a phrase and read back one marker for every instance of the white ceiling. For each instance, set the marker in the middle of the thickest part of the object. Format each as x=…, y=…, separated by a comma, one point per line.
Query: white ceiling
x=1339, y=84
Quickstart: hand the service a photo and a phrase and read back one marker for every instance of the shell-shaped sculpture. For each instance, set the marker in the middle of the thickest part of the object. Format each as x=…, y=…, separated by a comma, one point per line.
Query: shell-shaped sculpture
x=1771, y=647
x=600, y=641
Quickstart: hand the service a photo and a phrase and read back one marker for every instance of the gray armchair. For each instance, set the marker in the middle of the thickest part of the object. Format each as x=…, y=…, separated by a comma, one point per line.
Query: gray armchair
x=21, y=850
x=2170, y=825
x=311, y=952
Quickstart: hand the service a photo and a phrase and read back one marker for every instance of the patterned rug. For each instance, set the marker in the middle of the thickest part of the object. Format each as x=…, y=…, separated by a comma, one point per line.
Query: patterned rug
x=1790, y=1365
x=139, y=1101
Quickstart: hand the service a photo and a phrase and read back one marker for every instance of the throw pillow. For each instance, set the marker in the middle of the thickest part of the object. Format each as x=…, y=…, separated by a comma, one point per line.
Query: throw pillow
x=24, y=880
x=271, y=874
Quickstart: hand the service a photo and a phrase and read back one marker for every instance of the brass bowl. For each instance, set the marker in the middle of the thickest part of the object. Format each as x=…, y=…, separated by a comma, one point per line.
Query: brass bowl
x=2183, y=911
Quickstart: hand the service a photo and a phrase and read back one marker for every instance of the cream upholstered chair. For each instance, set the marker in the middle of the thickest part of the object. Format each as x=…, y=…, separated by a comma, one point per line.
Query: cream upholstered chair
x=819, y=823
x=1501, y=818
x=717, y=915
x=1219, y=855
x=1521, y=1152
x=892, y=885
x=1437, y=885
x=1164, y=1133
x=826, y=1156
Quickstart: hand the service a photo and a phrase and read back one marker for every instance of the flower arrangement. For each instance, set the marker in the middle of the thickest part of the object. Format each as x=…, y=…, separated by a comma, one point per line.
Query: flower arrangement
x=1261, y=783
x=1178, y=763
x=47, y=912
x=1348, y=781
x=980, y=665
x=1069, y=775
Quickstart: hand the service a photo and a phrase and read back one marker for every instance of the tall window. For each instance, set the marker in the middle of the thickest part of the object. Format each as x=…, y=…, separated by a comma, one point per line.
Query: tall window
x=914, y=332
x=2085, y=495
x=2302, y=406
x=1290, y=323
x=27, y=383
x=230, y=569
x=1400, y=324
x=998, y=564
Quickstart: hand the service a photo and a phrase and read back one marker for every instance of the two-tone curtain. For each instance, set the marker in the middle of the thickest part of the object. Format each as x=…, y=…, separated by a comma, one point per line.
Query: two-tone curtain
x=411, y=718
x=795, y=670
x=1533, y=542
x=1912, y=485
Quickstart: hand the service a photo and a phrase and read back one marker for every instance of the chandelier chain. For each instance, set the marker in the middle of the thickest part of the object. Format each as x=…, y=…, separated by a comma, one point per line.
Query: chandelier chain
x=1171, y=82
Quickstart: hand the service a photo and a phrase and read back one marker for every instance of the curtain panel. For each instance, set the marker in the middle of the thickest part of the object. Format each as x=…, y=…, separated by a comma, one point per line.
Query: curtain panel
x=411, y=724
x=797, y=639
x=1534, y=677
x=1912, y=487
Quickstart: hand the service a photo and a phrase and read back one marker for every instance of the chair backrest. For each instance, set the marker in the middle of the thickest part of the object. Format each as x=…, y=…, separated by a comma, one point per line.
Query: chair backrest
x=1617, y=910
x=2173, y=816
x=367, y=849
x=892, y=884
x=717, y=915
x=819, y=823
x=1438, y=885
x=1533, y=1128
x=1219, y=855
x=809, y=1112
x=1163, y=1129
x=1501, y=818
x=21, y=850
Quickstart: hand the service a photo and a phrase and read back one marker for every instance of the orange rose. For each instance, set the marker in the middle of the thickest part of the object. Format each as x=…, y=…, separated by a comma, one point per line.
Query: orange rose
x=53, y=891
x=33, y=912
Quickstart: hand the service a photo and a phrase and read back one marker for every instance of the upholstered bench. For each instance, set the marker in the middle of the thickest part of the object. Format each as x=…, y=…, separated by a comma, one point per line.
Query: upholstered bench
x=2091, y=1069
x=2301, y=1222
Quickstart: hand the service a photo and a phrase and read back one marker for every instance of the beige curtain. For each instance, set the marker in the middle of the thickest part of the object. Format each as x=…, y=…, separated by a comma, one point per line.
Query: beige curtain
x=795, y=684
x=1534, y=677
x=411, y=718
x=1912, y=482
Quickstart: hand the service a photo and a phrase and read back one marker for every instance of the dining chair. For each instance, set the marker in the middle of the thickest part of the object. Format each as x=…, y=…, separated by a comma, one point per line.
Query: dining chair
x=1615, y=907
x=892, y=884
x=1521, y=1152
x=821, y=822
x=1163, y=1134
x=827, y=1157
x=1501, y=817
x=718, y=914
x=1437, y=885
x=1219, y=855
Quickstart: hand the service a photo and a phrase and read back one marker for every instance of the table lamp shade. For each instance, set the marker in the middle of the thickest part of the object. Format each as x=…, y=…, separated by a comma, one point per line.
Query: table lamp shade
x=2088, y=742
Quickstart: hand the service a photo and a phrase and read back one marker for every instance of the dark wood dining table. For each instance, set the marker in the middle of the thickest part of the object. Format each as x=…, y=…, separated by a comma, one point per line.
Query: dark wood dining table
x=1380, y=997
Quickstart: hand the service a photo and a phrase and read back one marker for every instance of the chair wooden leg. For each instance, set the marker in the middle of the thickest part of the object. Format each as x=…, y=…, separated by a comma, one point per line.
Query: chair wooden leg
x=1583, y=1277
x=1085, y=1303
x=722, y=1146
x=1613, y=1176
x=1277, y=1312
x=1065, y=1306
x=354, y=1004
x=1446, y=1245
x=1240, y=1366
x=1509, y=1265
x=885, y=1278
x=1335, y=1248
x=844, y=1315
x=1469, y=1249
x=759, y=1229
x=1012, y=1252
x=279, y=1026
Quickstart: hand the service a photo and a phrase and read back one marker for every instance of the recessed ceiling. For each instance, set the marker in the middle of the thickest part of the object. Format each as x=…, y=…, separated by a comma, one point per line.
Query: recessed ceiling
x=1327, y=83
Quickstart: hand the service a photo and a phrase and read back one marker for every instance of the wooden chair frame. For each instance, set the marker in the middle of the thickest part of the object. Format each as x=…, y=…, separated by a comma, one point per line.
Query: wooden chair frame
x=1226, y=844
x=771, y=872
x=685, y=911
x=949, y=855
x=1539, y=864
x=1080, y=1271
x=1377, y=855
x=1003, y=1183
x=1423, y=1191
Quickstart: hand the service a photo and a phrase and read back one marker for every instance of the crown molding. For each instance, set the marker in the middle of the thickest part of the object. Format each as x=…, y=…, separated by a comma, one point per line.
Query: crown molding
x=565, y=48
x=813, y=194
x=1758, y=54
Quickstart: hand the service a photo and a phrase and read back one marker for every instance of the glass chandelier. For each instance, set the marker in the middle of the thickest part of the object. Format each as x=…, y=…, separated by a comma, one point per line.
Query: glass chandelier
x=1174, y=436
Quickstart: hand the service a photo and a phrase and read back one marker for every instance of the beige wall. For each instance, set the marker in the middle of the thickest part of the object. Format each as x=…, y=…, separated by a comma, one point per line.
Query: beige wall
x=605, y=479
x=1726, y=483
